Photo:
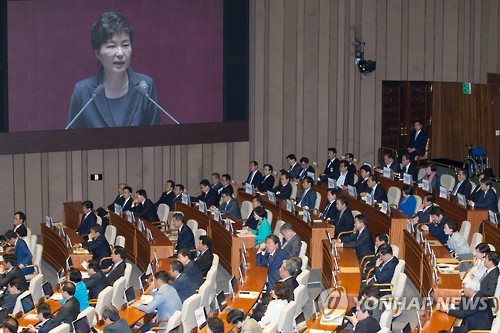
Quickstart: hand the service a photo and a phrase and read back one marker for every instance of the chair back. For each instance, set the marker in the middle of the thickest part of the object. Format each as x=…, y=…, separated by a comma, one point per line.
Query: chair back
x=295, y=187
x=303, y=280
x=497, y=295
x=212, y=276
x=277, y=228
x=386, y=318
x=199, y=232
x=35, y=287
x=473, y=185
x=118, y=299
x=174, y=321
x=215, y=261
x=285, y=321
x=418, y=199
x=393, y=195
x=103, y=300
x=476, y=239
x=269, y=216
x=246, y=209
x=272, y=327
x=303, y=248
x=89, y=313
x=188, y=319
x=399, y=285
x=421, y=173
x=355, y=178
x=204, y=293
x=384, y=330
x=298, y=296
x=305, y=262
x=99, y=220
x=492, y=247
x=465, y=230
x=318, y=201
x=163, y=210
x=63, y=328
x=120, y=241
x=355, y=213
x=127, y=274
x=193, y=224
x=447, y=181
x=32, y=243
x=28, y=232
x=110, y=234
x=395, y=250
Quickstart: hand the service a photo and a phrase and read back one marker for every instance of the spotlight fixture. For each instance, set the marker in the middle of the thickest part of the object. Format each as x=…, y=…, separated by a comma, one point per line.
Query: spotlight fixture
x=365, y=67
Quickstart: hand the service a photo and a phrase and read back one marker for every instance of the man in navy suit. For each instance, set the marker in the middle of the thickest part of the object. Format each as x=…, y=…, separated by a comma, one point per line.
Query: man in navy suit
x=308, y=196
x=463, y=186
x=178, y=190
x=181, y=281
x=423, y=215
x=127, y=199
x=418, y=141
x=384, y=267
x=119, y=198
x=185, y=238
x=362, y=183
x=190, y=268
x=205, y=257
x=254, y=177
x=88, y=218
x=144, y=207
x=345, y=220
x=330, y=212
x=294, y=169
x=117, y=269
x=97, y=244
x=305, y=168
x=284, y=189
x=436, y=227
x=12, y=271
x=332, y=165
x=44, y=315
x=344, y=177
x=268, y=180
x=167, y=196
x=361, y=240
x=376, y=190
x=21, y=251
x=408, y=168
x=389, y=163
x=207, y=195
x=270, y=254
x=229, y=205
x=487, y=198
x=490, y=277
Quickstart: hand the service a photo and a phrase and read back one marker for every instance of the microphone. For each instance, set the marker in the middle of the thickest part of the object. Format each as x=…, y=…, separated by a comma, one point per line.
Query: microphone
x=97, y=91
x=142, y=89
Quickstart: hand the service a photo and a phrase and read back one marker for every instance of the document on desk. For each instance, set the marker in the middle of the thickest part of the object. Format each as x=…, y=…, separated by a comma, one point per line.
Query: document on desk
x=244, y=233
x=447, y=269
x=332, y=317
x=146, y=298
x=313, y=330
x=31, y=316
x=248, y=294
x=56, y=297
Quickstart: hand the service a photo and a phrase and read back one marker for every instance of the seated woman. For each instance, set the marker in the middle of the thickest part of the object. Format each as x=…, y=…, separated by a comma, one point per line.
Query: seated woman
x=408, y=202
x=263, y=227
x=245, y=324
x=81, y=293
x=280, y=296
x=432, y=177
x=457, y=244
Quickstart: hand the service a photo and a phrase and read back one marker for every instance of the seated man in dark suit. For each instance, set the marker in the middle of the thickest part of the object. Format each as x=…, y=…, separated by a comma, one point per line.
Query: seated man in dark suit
x=181, y=281
x=226, y=184
x=215, y=181
x=364, y=322
x=474, y=308
x=207, y=195
x=332, y=165
x=284, y=189
x=127, y=199
x=252, y=222
x=436, y=227
x=308, y=196
x=185, y=236
x=423, y=215
x=370, y=263
x=190, y=268
x=490, y=277
x=330, y=212
x=97, y=280
x=21, y=251
x=385, y=266
x=168, y=196
x=268, y=180
x=305, y=169
x=254, y=177
x=417, y=141
x=294, y=167
x=271, y=255
x=291, y=241
x=18, y=224
x=288, y=274
x=345, y=221
x=117, y=269
x=9, y=298
x=362, y=183
x=463, y=185
x=143, y=207
x=408, y=168
x=205, y=256
x=71, y=308
x=119, y=198
x=125, y=202
x=389, y=163
x=349, y=157
x=487, y=198
x=44, y=315
x=97, y=244
x=344, y=177
x=88, y=218
x=113, y=322
x=376, y=190
x=178, y=190
x=12, y=271
x=229, y=205
x=361, y=240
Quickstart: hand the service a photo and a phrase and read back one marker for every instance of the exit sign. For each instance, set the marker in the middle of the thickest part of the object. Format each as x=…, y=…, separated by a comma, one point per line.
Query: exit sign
x=467, y=88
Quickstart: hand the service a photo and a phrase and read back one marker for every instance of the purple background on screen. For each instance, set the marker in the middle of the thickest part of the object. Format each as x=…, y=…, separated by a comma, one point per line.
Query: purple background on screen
x=176, y=42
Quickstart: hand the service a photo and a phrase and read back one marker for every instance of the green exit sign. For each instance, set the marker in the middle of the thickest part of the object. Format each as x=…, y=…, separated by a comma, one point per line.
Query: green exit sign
x=467, y=88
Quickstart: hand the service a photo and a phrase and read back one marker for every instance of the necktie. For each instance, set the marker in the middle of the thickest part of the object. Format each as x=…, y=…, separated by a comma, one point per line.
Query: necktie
x=251, y=177
x=340, y=215
x=382, y=266
x=325, y=212
x=359, y=234
x=416, y=134
x=456, y=188
x=484, y=275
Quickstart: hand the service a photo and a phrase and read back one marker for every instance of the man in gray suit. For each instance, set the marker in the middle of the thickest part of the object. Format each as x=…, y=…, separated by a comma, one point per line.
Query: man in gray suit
x=490, y=276
x=229, y=205
x=291, y=241
x=71, y=308
x=114, y=324
x=165, y=300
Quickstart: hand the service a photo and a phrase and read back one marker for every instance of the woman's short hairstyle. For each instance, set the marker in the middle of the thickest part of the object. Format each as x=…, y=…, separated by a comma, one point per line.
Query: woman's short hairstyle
x=452, y=225
x=260, y=211
x=106, y=26
x=407, y=189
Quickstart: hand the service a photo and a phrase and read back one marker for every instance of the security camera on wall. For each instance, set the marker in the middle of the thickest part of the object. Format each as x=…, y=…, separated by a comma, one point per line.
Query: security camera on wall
x=365, y=67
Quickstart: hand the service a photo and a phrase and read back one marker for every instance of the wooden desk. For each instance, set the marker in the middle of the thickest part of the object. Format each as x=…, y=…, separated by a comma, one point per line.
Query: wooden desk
x=438, y=321
x=452, y=209
x=491, y=234
x=54, y=307
x=73, y=214
x=55, y=251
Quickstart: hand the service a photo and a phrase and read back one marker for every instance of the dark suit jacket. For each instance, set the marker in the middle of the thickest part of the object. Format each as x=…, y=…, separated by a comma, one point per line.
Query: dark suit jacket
x=185, y=239
x=385, y=274
x=284, y=191
x=116, y=273
x=363, y=245
x=86, y=223
x=257, y=179
x=14, y=273
x=172, y=204
x=380, y=194
x=307, y=199
x=252, y=222
x=118, y=200
x=47, y=326
x=489, y=282
x=165, y=198
x=351, y=168
x=345, y=222
x=293, y=245
x=127, y=205
x=291, y=283
x=465, y=188
x=8, y=301
x=204, y=261
x=23, y=255
x=211, y=198
x=146, y=210
x=194, y=273
x=68, y=312
x=367, y=325
x=303, y=173
x=294, y=171
x=96, y=283
x=330, y=212
x=231, y=209
x=273, y=264
x=361, y=185
x=424, y=215
x=349, y=178
x=99, y=247
x=420, y=143
x=487, y=201
x=331, y=167
x=477, y=317
x=21, y=230
x=139, y=111
x=394, y=167
x=119, y=326
x=410, y=169
x=184, y=286
x=438, y=230
x=266, y=184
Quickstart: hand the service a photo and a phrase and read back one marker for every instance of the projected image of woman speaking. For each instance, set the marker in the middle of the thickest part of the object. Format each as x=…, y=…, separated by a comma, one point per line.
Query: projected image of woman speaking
x=116, y=95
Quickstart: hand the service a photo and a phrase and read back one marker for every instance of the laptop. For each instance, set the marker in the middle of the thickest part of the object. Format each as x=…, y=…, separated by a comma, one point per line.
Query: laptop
x=49, y=222
x=130, y=295
x=47, y=289
x=406, y=329
x=316, y=305
x=233, y=286
x=69, y=263
x=300, y=322
x=81, y=325
x=220, y=298
x=143, y=281
x=27, y=303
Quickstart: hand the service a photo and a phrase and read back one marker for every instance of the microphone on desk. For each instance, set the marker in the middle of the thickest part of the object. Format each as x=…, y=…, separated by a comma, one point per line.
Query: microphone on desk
x=142, y=89
x=97, y=91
